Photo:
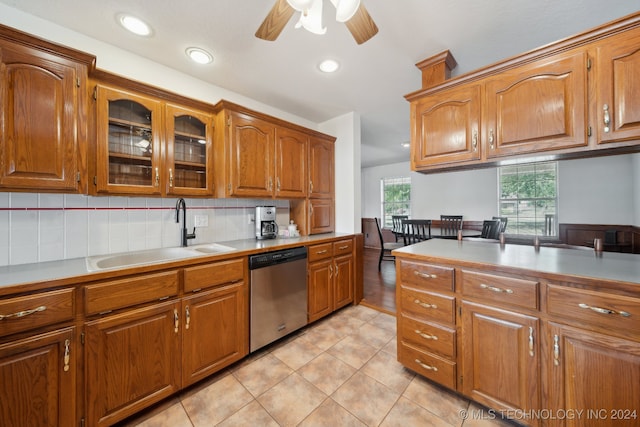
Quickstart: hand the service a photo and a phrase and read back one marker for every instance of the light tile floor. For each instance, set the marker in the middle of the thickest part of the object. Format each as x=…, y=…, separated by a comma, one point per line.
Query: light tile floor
x=340, y=371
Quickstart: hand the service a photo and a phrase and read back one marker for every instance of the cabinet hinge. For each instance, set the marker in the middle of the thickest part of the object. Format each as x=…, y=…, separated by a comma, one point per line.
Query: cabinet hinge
x=77, y=176
x=82, y=338
x=589, y=131
x=588, y=63
x=78, y=81
x=228, y=121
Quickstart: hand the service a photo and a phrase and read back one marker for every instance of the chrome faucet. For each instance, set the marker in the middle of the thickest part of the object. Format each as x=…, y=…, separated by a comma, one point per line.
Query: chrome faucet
x=181, y=204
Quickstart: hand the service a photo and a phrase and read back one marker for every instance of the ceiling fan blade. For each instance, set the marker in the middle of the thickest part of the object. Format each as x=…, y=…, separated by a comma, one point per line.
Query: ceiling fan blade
x=361, y=26
x=275, y=21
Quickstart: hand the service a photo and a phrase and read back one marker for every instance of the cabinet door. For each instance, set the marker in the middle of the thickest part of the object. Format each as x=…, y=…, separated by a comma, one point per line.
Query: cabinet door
x=188, y=157
x=40, y=121
x=343, y=280
x=446, y=127
x=593, y=373
x=291, y=163
x=618, y=88
x=215, y=331
x=131, y=361
x=127, y=143
x=321, y=168
x=320, y=293
x=500, y=358
x=321, y=218
x=538, y=107
x=38, y=380
x=251, y=156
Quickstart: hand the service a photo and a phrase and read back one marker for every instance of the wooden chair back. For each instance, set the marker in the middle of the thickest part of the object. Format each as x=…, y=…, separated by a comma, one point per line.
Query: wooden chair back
x=491, y=229
x=451, y=222
x=416, y=230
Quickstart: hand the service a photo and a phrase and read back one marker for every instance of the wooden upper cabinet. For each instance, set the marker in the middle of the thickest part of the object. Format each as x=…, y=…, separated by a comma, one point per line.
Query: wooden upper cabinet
x=617, y=67
x=43, y=126
x=251, y=154
x=147, y=146
x=446, y=127
x=321, y=168
x=128, y=142
x=537, y=107
x=189, y=144
x=291, y=163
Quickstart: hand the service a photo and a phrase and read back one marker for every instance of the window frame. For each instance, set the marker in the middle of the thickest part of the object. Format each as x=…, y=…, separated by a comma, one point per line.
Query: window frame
x=383, y=216
x=539, y=220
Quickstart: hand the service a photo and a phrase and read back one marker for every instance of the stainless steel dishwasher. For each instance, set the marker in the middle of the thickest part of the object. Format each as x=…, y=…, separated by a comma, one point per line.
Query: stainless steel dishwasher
x=278, y=295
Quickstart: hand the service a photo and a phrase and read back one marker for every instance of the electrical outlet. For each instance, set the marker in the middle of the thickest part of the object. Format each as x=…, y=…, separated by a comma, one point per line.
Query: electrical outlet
x=200, y=221
x=251, y=218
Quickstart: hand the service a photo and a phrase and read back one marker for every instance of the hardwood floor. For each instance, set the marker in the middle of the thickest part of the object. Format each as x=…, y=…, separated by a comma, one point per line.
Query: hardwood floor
x=379, y=286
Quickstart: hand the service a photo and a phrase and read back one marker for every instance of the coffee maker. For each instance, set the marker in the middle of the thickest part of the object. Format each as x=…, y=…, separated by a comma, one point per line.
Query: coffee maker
x=266, y=227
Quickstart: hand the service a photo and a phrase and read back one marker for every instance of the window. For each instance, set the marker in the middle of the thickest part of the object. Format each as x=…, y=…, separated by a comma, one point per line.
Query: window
x=528, y=197
x=395, y=194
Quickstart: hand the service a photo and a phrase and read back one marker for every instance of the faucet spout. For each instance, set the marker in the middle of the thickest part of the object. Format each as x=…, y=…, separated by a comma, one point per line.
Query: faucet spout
x=181, y=205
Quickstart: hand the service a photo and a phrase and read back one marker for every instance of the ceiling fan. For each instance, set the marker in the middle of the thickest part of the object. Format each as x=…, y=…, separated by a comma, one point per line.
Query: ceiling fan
x=351, y=12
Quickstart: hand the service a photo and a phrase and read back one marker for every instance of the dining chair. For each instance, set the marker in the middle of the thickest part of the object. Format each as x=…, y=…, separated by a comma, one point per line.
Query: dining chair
x=451, y=222
x=416, y=230
x=491, y=229
x=503, y=223
x=386, y=247
x=397, y=224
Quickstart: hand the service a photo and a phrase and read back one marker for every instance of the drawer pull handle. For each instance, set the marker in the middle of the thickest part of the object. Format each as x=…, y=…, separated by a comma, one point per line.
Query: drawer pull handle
x=187, y=317
x=425, y=366
x=606, y=118
x=176, y=321
x=424, y=304
x=556, y=351
x=324, y=251
x=425, y=275
x=67, y=357
x=23, y=313
x=531, y=353
x=426, y=336
x=495, y=288
x=605, y=310
x=343, y=247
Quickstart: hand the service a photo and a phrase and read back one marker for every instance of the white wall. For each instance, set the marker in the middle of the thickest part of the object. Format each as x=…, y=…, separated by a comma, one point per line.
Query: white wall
x=601, y=190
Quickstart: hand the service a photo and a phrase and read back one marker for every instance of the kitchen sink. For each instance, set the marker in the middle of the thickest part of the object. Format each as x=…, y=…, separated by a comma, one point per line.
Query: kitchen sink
x=151, y=256
x=211, y=248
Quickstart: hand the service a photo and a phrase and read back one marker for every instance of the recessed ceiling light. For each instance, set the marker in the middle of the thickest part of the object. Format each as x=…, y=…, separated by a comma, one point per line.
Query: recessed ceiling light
x=328, y=66
x=135, y=25
x=198, y=55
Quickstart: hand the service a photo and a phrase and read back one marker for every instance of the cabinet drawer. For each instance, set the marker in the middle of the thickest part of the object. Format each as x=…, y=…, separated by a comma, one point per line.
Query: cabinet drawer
x=343, y=247
x=33, y=311
x=429, y=365
x=500, y=289
x=318, y=252
x=613, y=312
x=428, y=336
x=108, y=296
x=214, y=274
x=427, y=276
x=427, y=305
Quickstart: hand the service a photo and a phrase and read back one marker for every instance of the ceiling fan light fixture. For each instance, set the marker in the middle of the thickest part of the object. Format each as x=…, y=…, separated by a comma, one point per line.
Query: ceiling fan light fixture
x=345, y=9
x=300, y=5
x=134, y=25
x=199, y=55
x=329, y=66
x=311, y=18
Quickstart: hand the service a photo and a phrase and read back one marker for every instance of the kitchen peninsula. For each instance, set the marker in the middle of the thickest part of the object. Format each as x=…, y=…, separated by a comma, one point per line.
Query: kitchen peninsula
x=512, y=327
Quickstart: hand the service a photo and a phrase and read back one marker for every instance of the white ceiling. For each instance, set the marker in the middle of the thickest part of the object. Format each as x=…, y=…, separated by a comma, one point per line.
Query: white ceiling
x=374, y=76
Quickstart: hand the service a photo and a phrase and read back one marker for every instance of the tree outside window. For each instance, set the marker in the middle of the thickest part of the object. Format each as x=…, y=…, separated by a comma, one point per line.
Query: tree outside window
x=396, y=198
x=528, y=198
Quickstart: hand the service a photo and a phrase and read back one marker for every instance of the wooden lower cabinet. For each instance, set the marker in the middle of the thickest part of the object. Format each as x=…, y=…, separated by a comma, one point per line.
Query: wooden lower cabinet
x=38, y=380
x=500, y=358
x=131, y=361
x=331, y=277
x=595, y=376
x=215, y=332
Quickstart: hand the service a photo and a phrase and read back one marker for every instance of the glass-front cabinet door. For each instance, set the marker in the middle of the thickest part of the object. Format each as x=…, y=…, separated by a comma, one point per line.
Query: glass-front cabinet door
x=189, y=141
x=128, y=154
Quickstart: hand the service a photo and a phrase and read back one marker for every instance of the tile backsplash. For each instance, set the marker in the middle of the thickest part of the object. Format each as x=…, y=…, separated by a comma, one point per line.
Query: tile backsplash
x=47, y=227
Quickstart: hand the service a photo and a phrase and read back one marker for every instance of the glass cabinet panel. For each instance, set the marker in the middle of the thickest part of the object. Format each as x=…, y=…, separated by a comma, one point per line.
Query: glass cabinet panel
x=190, y=152
x=130, y=143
